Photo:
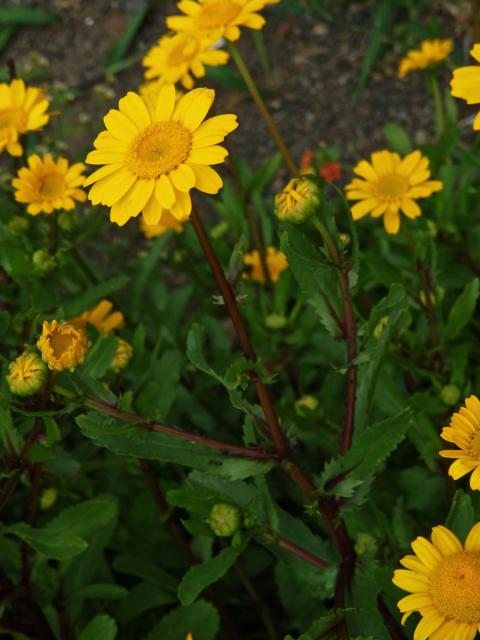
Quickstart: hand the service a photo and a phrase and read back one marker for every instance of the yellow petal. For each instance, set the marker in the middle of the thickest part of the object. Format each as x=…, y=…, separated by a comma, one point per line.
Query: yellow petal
x=164, y=193
x=165, y=103
x=209, y=155
x=410, y=581
x=391, y=222
x=426, y=552
x=427, y=625
x=119, y=125
x=472, y=542
x=361, y=209
x=445, y=541
x=206, y=179
x=199, y=103
x=183, y=178
x=134, y=108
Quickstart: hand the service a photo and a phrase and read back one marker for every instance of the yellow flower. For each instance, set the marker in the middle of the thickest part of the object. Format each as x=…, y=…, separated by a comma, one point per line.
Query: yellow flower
x=464, y=432
x=100, y=317
x=22, y=109
x=166, y=223
x=218, y=18
x=391, y=184
x=298, y=200
x=122, y=355
x=154, y=157
x=466, y=82
x=62, y=346
x=430, y=52
x=443, y=579
x=27, y=374
x=189, y=637
x=47, y=184
x=178, y=57
x=275, y=260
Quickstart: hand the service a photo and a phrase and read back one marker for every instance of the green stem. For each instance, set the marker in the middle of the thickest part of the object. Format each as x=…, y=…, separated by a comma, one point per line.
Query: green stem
x=438, y=110
x=259, y=42
x=262, y=107
x=52, y=234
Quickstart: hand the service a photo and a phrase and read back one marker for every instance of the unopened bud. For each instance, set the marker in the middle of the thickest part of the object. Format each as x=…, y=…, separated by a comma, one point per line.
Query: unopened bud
x=27, y=374
x=450, y=394
x=224, y=519
x=305, y=405
x=43, y=261
x=298, y=201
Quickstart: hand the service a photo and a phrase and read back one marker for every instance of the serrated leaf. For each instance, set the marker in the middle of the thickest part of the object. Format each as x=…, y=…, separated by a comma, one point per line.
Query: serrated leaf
x=158, y=395
x=200, y=618
x=101, y=626
x=57, y=544
x=462, y=310
x=85, y=518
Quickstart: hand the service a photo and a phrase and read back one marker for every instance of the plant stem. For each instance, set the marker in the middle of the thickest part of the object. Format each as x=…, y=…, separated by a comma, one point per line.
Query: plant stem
x=437, y=105
x=259, y=42
x=262, y=107
x=52, y=234
x=301, y=553
x=349, y=332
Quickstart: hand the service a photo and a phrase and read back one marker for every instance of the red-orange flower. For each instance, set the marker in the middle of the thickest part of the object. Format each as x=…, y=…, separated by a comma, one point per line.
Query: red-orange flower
x=330, y=171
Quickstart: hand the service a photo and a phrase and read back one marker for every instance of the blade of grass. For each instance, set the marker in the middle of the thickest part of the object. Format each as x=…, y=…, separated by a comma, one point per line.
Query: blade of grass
x=5, y=34
x=123, y=44
x=26, y=16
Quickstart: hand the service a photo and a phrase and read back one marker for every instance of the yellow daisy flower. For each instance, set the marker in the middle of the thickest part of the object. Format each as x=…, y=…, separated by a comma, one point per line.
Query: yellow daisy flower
x=46, y=184
x=391, y=184
x=166, y=223
x=154, y=157
x=27, y=374
x=22, y=109
x=464, y=432
x=276, y=263
x=430, y=52
x=465, y=84
x=100, y=317
x=178, y=57
x=62, y=345
x=217, y=18
x=443, y=579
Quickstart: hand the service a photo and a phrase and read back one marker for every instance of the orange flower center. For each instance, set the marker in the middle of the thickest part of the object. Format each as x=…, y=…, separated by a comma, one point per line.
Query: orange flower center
x=391, y=187
x=159, y=149
x=13, y=117
x=218, y=14
x=52, y=186
x=60, y=342
x=455, y=587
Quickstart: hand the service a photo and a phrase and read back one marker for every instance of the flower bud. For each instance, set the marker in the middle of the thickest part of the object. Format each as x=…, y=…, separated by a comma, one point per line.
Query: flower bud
x=305, y=405
x=48, y=498
x=17, y=225
x=224, y=519
x=364, y=544
x=298, y=201
x=275, y=321
x=27, y=374
x=122, y=355
x=62, y=346
x=450, y=394
x=379, y=327
x=67, y=220
x=43, y=262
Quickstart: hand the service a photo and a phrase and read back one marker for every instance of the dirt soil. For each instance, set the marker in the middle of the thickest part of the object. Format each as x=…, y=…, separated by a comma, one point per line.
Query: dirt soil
x=316, y=65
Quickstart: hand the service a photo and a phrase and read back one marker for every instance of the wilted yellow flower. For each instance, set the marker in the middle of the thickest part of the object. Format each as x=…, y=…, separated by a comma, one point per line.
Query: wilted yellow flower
x=47, y=184
x=275, y=260
x=466, y=82
x=464, y=432
x=154, y=157
x=100, y=317
x=178, y=57
x=298, y=201
x=62, y=345
x=27, y=374
x=430, y=52
x=391, y=184
x=167, y=223
x=218, y=18
x=122, y=355
x=22, y=109
x=443, y=579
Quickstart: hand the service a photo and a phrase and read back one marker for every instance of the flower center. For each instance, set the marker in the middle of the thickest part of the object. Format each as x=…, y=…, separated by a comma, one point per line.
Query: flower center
x=218, y=14
x=455, y=587
x=296, y=191
x=52, y=186
x=60, y=343
x=183, y=53
x=159, y=149
x=12, y=117
x=392, y=187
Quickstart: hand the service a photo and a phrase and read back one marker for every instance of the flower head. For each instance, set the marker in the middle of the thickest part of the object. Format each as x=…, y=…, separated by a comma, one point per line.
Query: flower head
x=22, y=109
x=298, y=200
x=178, y=57
x=62, y=345
x=27, y=374
x=464, y=432
x=330, y=171
x=430, y=52
x=101, y=317
x=167, y=223
x=224, y=519
x=275, y=260
x=122, y=355
x=218, y=18
x=443, y=579
x=47, y=184
x=153, y=157
x=391, y=184
x=465, y=83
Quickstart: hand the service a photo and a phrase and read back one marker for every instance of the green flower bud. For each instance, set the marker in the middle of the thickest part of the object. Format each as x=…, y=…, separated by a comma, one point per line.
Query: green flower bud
x=450, y=394
x=365, y=543
x=17, y=225
x=48, y=498
x=43, y=261
x=27, y=374
x=224, y=519
x=305, y=405
x=298, y=201
x=67, y=220
x=275, y=321
x=380, y=326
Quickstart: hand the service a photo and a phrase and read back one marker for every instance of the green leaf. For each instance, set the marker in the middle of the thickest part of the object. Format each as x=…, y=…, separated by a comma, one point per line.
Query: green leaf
x=200, y=618
x=462, y=310
x=127, y=440
x=364, y=616
x=158, y=395
x=100, y=356
x=52, y=431
x=85, y=518
x=397, y=138
x=26, y=16
x=461, y=517
x=92, y=295
x=145, y=270
x=56, y=544
x=354, y=472
x=100, y=591
x=101, y=626
x=123, y=44
x=200, y=576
